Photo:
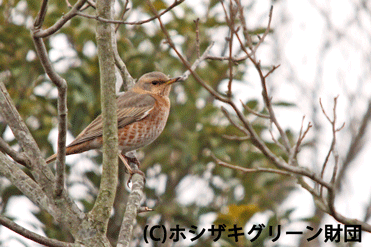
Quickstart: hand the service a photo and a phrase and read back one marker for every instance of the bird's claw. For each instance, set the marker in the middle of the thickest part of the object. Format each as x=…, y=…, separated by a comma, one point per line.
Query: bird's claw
x=132, y=172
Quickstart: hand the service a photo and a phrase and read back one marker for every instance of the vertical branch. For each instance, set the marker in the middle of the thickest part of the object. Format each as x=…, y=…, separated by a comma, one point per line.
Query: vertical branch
x=131, y=211
x=105, y=38
x=62, y=101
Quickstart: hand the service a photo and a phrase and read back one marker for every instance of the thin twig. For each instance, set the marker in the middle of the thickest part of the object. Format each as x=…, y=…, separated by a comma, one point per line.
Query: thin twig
x=248, y=109
x=271, y=71
x=184, y=61
x=197, y=22
x=248, y=170
x=231, y=24
x=125, y=9
x=98, y=18
x=256, y=140
x=267, y=30
x=234, y=59
x=266, y=98
x=197, y=62
x=243, y=23
x=270, y=129
x=355, y=146
x=300, y=140
x=236, y=138
x=39, y=33
x=332, y=149
x=226, y=113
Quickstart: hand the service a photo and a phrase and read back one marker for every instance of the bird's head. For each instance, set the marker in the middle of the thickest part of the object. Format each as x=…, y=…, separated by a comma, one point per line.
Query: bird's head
x=155, y=83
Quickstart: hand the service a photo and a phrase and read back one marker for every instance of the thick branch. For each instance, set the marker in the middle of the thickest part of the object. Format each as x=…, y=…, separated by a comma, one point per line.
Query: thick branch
x=131, y=211
x=39, y=169
x=103, y=205
x=32, y=235
x=24, y=183
x=63, y=210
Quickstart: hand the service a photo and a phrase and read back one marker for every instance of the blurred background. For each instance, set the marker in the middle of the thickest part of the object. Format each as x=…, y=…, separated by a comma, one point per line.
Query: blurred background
x=323, y=49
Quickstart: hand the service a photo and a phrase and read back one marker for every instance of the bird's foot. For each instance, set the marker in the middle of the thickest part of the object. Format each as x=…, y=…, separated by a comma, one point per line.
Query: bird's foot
x=132, y=172
x=132, y=160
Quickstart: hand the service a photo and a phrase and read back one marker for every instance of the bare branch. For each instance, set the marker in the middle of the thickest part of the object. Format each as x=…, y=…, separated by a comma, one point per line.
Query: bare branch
x=234, y=59
x=339, y=217
x=300, y=140
x=19, y=157
x=226, y=113
x=274, y=139
x=238, y=138
x=256, y=140
x=355, y=146
x=243, y=23
x=197, y=22
x=124, y=10
x=32, y=235
x=41, y=171
x=41, y=15
x=132, y=209
x=332, y=149
x=197, y=62
x=248, y=170
x=127, y=80
x=103, y=205
x=248, y=109
x=23, y=182
x=271, y=71
x=267, y=30
x=38, y=33
x=62, y=111
x=184, y=61
x=98, y=18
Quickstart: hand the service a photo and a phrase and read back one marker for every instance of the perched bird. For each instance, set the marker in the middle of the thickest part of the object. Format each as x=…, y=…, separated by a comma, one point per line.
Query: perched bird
x=142, y=113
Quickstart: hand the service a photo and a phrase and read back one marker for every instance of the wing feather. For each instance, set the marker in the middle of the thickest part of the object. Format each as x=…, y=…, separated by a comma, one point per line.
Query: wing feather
x=131, y=107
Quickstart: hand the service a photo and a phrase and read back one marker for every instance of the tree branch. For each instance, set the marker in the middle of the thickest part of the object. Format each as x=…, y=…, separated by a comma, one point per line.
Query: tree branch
x=32, y=235
x=103, y=205
x=248, y=170
x=355, y=146
x=19, y=157
x=131, y=211
x=59, y=24
x=63, y=210
x=62, y=109
x=39, y=169
x=106, y=20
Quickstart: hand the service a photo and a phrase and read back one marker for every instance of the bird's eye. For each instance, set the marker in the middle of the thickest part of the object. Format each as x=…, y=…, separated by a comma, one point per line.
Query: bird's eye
x=155, y=82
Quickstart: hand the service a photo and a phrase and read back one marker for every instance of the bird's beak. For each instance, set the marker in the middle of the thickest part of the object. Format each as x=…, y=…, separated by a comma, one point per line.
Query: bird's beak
x=172, y=80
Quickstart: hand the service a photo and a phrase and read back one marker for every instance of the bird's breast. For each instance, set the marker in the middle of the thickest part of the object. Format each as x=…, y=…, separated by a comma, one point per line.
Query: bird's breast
x=145, y=131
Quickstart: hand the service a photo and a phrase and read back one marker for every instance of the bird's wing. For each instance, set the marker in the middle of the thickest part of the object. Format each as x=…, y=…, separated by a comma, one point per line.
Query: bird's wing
x=131, y=107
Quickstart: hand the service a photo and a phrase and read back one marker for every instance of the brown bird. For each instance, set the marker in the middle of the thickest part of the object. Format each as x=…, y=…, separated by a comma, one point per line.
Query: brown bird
x=142, y=113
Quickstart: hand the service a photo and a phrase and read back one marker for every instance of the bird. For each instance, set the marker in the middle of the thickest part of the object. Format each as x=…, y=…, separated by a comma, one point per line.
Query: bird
x=142, y=113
